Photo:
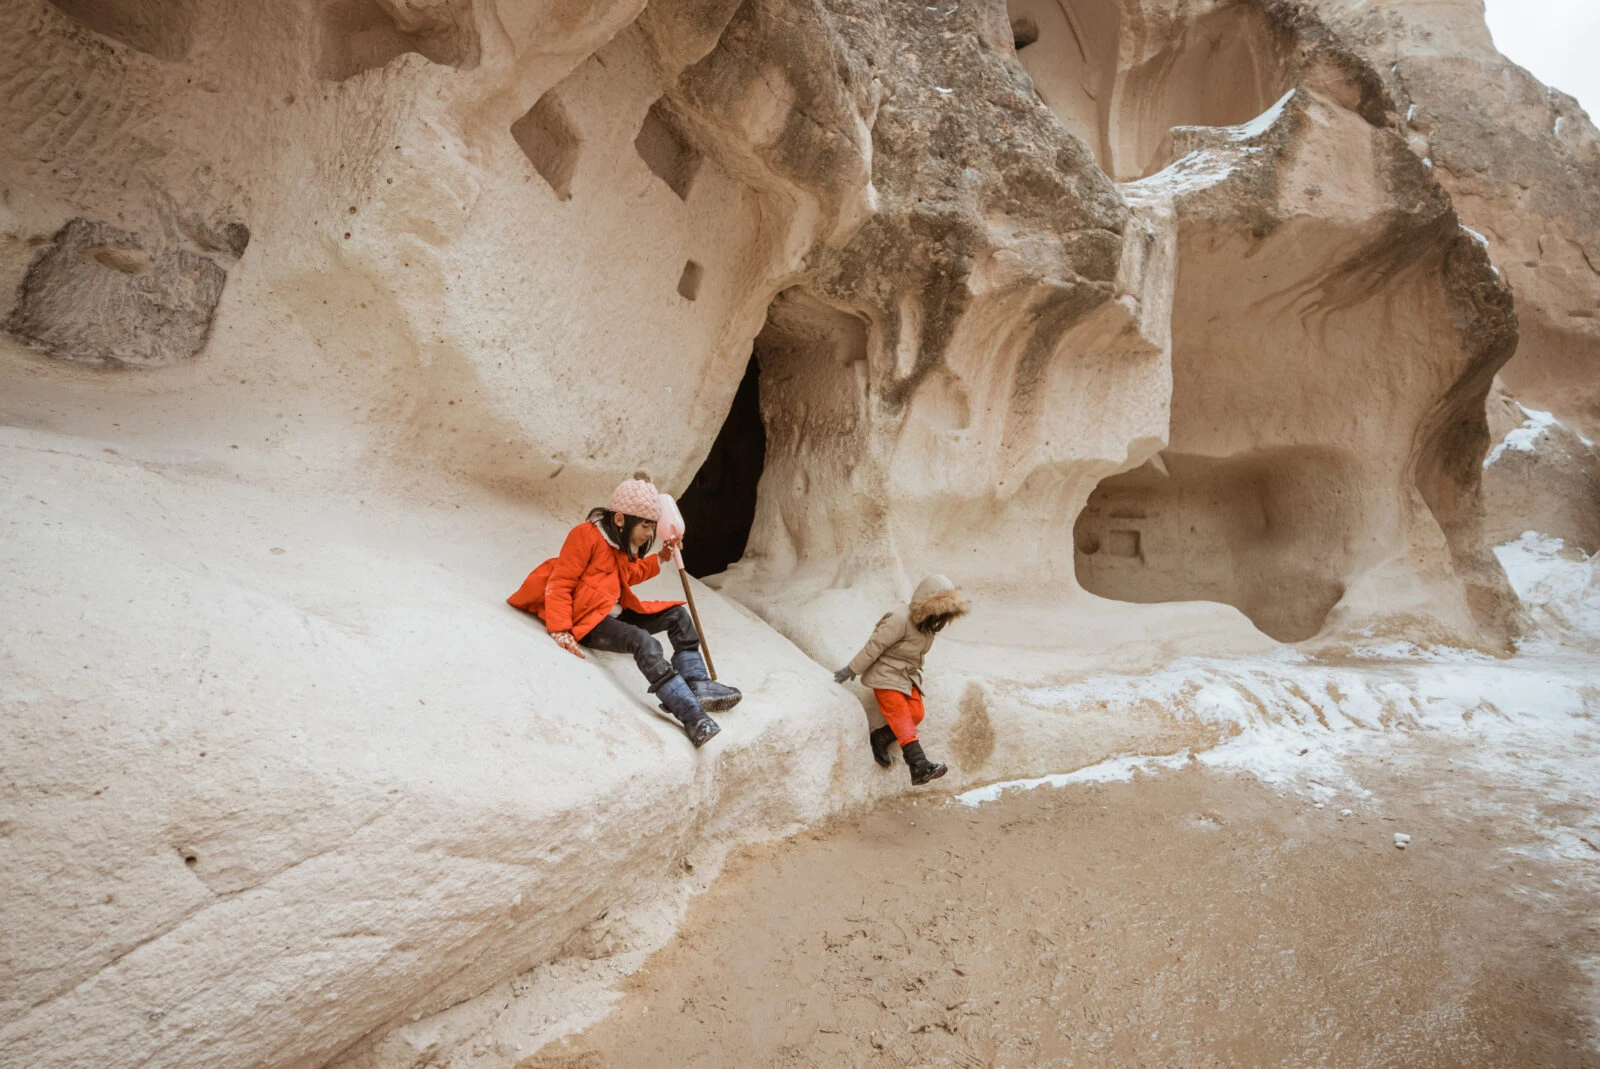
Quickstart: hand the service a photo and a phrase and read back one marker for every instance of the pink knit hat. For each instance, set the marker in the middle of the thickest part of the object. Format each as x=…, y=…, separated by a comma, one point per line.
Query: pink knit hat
x=637, y=496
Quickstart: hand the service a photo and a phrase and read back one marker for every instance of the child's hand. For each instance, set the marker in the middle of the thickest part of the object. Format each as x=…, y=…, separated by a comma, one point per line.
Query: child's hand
x=843, y=675
x=670, y=549
x=565, y=640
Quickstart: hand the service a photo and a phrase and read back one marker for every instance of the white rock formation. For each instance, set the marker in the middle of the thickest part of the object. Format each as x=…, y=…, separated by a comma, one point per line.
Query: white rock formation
x=331, y=316
x=1521, y=163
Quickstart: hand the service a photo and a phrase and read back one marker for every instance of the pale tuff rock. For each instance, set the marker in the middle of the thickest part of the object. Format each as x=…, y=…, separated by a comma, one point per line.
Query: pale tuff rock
x=1521, y=163
x=1540, y=476
x=330, y=317
x=97, y=295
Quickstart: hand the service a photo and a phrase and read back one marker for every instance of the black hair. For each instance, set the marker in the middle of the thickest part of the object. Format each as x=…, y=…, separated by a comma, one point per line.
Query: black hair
x=622, y=536
x=936, y=623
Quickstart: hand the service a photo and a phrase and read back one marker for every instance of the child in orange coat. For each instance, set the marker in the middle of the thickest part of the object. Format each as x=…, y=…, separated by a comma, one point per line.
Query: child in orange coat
x=891, y=664
x=585, y=598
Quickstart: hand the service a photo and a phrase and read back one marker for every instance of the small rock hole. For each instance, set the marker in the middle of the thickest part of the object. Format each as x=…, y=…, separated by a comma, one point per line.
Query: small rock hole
x=549, y=138
x=666, y=151
x=190, y=860
x=689, y=281
x=1024, y=32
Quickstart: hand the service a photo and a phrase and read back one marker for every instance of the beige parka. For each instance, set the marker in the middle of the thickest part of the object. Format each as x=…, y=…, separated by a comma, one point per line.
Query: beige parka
x=892, y=658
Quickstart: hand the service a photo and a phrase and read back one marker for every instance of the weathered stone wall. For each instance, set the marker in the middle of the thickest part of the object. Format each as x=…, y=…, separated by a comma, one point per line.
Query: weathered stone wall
x=328, y=317
x=1521, y=163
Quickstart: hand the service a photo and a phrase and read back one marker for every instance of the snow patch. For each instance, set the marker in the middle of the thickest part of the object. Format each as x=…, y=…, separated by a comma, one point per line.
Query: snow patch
x=1113, y=770
x=1560, y=586
x=1524, y=439
x=1202, y=169
x=1263, y=122
x=1401, y=650
x=1191, y=173
x=1293, y=722
x=1479, y=238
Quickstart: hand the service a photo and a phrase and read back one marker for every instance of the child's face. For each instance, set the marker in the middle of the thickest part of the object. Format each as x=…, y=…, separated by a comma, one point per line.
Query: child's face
x=642, y=534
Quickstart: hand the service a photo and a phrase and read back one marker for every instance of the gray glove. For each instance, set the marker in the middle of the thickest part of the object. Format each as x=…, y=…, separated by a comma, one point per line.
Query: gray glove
x=843, y=675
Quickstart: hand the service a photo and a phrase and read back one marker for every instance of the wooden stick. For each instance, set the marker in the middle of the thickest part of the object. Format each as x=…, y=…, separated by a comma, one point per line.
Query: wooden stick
x=694, y=613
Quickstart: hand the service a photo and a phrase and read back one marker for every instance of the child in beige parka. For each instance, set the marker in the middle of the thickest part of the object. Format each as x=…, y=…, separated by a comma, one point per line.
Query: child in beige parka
x=891, y=664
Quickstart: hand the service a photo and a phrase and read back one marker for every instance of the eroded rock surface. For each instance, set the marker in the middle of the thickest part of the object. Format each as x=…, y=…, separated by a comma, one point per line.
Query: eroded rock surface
x=97, y=294
x=1540, y=476
x=1307, y=469
x=1521, y=163
x=1162, y=302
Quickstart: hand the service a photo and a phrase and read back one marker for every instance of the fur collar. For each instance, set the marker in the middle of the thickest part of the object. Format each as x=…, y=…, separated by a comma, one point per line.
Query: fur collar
x=598, y=526
x=951, y=602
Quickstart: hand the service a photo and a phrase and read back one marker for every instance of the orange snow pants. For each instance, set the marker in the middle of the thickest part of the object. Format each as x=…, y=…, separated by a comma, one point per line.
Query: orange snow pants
x=901, y=713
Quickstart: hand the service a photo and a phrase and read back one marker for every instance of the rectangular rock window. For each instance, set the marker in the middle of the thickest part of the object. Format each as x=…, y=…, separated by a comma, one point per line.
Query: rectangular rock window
x=549, y=138
x=1123, y=543
x=667, y=152
x=689, y=281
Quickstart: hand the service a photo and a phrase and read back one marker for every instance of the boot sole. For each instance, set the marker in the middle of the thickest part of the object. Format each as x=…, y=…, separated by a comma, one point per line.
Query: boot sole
x=718, y=706
x=716, y=729
x=938, y=770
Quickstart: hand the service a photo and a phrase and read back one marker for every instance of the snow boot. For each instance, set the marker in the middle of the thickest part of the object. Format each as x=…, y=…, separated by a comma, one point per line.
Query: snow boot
x=881, y=740
x=713, y=696
x=922, y=769
x=677, y=699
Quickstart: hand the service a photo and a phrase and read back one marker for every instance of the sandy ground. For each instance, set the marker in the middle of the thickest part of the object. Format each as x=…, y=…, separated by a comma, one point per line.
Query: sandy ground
x=1185, y=918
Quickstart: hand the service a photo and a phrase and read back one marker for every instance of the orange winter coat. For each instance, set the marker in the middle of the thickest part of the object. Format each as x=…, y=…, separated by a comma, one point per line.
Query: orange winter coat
x=575, y=591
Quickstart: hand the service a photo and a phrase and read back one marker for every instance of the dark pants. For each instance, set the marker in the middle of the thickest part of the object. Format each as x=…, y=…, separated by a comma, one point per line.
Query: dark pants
x=631, y=633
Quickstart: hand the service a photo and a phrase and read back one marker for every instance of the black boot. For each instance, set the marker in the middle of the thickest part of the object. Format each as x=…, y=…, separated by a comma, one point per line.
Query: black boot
x=922, y=769
x=679, y=700
x=714, y=697
x=881, y=740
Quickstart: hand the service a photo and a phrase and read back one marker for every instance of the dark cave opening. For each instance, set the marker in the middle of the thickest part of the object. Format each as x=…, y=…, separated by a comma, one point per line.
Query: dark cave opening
x=719, y=506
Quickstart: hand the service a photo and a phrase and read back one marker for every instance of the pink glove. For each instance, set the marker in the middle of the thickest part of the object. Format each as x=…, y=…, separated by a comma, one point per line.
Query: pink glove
x=565, y=640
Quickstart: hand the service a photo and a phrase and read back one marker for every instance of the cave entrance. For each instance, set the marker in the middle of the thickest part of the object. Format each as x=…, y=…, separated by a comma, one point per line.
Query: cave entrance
x=720, y=504
x=797, y=429
x=1269, y=532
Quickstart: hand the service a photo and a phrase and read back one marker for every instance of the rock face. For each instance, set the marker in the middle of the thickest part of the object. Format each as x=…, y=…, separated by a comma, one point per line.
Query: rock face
x=1123, y=75
x=1521, y=163
x=1297, y=277
x=1273, y=266
x=1540, y=476
x=331, y=316
x=97, y=295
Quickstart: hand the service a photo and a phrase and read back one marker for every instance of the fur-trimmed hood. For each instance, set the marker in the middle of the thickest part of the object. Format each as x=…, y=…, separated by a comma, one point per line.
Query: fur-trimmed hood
x=892, y=657
x=937, y=596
